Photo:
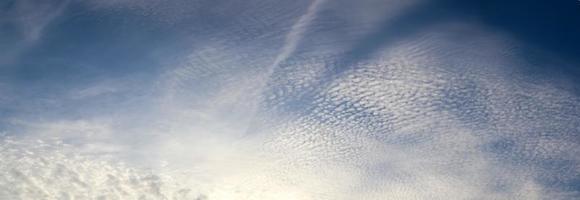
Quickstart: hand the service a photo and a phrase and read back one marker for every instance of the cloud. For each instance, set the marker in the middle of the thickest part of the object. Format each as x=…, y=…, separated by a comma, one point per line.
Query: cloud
x=296, y=33
x=48, y=169
x=30, y=18
x=452, y=111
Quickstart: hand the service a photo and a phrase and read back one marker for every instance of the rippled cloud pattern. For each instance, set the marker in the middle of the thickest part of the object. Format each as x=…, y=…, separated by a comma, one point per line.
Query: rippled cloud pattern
x=289, y=100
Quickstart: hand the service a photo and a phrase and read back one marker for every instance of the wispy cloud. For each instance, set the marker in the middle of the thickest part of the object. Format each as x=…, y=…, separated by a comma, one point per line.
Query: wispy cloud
x=427, y=116
x=30, y=17
x=296, y=33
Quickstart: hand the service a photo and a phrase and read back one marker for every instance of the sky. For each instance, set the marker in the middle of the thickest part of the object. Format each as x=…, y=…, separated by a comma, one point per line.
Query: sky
x=305, y=99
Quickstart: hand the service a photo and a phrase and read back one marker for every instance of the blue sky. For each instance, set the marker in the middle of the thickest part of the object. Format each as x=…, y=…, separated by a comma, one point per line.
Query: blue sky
x=318, y=99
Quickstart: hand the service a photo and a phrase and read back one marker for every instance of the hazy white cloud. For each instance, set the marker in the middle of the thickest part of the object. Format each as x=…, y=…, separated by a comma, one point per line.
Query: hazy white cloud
x=48, y=169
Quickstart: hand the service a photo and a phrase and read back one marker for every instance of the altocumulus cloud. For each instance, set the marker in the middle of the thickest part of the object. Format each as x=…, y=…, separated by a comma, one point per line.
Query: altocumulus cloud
x=323, y=99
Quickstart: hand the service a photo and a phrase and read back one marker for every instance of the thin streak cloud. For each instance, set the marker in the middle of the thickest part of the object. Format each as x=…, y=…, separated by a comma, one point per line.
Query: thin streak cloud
x=296, y=33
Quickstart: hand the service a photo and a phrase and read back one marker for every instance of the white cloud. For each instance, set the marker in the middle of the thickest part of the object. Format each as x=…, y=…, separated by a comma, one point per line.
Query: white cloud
x=425, y=117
